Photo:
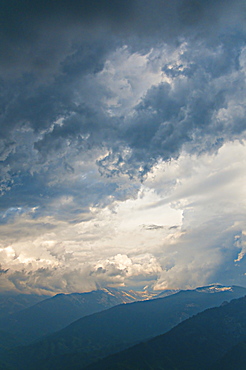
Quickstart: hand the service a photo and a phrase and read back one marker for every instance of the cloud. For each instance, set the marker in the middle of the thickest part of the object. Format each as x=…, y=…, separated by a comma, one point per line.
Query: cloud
x=37, y=38
x=101, y=100
x=206, y=205
x=211, y=238
x=98, y=99
x=153, y=227
x=90, y=248
x=2, y=271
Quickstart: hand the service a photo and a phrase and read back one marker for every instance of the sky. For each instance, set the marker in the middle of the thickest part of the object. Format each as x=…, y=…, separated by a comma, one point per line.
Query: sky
x=122, y=144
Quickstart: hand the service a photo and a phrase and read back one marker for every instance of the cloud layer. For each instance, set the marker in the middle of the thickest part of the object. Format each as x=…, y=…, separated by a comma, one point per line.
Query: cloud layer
x=116, y=119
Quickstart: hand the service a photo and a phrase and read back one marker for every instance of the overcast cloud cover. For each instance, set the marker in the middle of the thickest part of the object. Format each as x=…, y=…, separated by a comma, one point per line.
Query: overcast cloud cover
x=122, y=144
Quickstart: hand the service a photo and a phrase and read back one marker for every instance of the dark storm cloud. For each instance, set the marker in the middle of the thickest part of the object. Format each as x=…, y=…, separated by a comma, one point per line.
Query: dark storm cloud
x=37, y=35
x=51, y=53
x=188, y=112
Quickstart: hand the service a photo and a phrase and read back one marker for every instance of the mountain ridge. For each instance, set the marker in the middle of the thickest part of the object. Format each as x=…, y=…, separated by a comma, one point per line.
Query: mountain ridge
x=114, y=329
x=11, y=303
x=57, y=312
x=208, y=341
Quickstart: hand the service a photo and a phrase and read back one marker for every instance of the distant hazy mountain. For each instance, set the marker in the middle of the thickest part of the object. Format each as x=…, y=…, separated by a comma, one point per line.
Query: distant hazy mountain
x=201, y=342
x=166, y=293
x=117, y=328
x=8, y=341
x=55, y=313
x=12, y=303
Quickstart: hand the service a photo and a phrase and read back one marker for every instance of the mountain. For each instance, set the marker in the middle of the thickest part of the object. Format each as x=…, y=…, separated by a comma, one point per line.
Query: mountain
x=234, y=359
x=8, y=341
x=167, y=292
x=55, y=313
x=12, y=303
x=203, y=342
x=115, y=329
